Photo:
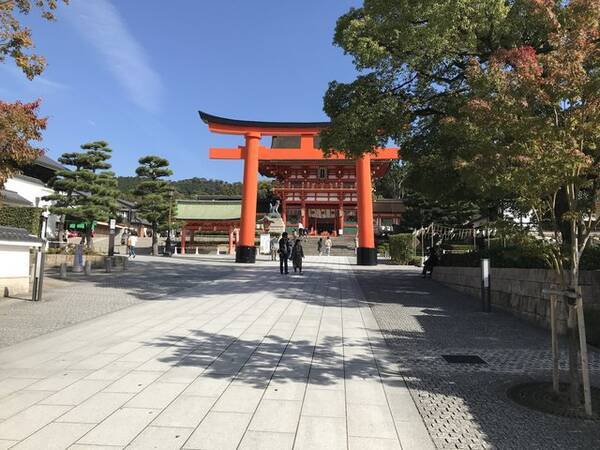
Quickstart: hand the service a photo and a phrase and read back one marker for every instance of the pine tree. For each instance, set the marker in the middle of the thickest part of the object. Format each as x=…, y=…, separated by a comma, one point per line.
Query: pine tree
x=153, y=192
x=87, y=192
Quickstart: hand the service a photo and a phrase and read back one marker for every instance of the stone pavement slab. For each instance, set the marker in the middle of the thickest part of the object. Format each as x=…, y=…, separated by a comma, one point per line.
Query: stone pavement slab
x=464, y=406
x=224, y=356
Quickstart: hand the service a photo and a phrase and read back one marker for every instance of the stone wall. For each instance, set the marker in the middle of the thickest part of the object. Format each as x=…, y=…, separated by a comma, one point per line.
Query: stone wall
x=54, y=260
x=519, y=291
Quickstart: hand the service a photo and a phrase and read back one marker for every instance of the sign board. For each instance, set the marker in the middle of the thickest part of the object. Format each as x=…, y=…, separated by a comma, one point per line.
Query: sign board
x=265, y=244
x=322, y=213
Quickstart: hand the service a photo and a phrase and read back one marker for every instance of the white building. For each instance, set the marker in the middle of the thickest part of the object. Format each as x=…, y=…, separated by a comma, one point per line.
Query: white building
x=30, y=187
x=14, y=260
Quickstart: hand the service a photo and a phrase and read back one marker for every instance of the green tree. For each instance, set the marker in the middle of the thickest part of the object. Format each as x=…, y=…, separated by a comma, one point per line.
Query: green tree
x=19, y=125
x=153, y=193
x=16, y=40
x=88, y=190
x=490, y=100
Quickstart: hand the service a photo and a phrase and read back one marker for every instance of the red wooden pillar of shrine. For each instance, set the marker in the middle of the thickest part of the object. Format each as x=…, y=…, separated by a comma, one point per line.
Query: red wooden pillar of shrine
x=183, y=238
x=246, y=249
x=366, y=254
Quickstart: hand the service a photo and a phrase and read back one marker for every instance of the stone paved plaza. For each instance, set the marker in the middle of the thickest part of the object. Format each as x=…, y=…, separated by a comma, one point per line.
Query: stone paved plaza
x=200, y=353
x=250, y=360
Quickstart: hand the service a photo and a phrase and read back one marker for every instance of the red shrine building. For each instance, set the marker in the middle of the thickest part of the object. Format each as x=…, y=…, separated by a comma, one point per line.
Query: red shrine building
x=326, y=195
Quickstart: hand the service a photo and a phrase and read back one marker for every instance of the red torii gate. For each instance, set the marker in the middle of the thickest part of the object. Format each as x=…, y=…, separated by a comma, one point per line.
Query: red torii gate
x=252, y=152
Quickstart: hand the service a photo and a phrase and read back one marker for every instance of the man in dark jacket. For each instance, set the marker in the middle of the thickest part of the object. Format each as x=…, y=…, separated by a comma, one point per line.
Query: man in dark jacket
x=430, y=262
x=285, y=249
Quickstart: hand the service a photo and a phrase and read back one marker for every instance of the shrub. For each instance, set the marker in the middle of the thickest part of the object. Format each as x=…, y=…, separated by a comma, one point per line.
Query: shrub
x=383, y=248
x=415, y=261
x=401, y=248
x=21, y=217
x=590, y=259
x=527, y=255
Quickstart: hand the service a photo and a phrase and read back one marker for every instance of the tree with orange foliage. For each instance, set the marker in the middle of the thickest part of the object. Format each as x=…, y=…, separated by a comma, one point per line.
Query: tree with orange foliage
x=19, y=125
x=15, y=39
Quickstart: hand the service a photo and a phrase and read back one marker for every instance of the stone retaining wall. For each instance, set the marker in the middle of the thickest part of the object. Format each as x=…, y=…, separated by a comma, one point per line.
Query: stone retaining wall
x=519, y=291
x=54, y=260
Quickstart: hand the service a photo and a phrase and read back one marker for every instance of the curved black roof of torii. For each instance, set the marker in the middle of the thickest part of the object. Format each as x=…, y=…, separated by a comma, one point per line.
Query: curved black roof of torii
x=206, y=118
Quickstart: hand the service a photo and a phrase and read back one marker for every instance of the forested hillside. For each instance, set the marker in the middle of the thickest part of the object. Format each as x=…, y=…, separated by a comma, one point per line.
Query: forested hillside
x=193, y=187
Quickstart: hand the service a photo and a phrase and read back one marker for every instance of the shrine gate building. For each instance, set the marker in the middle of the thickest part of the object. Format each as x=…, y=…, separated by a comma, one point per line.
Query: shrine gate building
x=332, y=194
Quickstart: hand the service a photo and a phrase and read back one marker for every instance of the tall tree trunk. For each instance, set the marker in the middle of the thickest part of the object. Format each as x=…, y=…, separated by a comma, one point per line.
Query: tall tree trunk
x=154, y=239
x=89, y=238
x=61, y=230
x=573, y=330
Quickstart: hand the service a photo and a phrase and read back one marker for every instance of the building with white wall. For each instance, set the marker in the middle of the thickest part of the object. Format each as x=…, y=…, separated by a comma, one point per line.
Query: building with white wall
x=15, y=245
x=31, y=186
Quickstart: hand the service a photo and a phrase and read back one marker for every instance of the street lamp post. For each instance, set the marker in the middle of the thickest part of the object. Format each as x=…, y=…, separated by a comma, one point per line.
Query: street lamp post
x=38, y=277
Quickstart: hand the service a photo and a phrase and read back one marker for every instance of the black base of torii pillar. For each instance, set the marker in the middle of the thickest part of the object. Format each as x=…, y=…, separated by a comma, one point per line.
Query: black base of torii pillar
x=245, y=254
x=366, y=256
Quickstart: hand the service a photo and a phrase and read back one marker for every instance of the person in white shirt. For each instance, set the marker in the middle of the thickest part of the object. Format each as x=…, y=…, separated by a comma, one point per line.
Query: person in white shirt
x=300, y=229
x=328, y=245
x=131, y=243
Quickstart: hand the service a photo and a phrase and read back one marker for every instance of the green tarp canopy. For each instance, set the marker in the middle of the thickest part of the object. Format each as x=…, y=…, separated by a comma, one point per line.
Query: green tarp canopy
x=208, y=210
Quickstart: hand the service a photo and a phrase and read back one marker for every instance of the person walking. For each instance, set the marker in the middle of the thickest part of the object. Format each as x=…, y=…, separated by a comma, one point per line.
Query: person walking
x=297, y=255
x=320, y=246
x=431, y=262
x=131, y=243
x=328, y=245
x=284, y=253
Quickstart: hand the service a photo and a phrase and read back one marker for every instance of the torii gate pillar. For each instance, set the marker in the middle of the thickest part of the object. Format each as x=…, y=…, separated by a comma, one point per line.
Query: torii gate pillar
x=246, y=249
x=366, y=253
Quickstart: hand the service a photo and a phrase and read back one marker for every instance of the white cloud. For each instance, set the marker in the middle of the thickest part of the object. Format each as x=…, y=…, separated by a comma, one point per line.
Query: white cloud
x=38, y=83
x=100, y=23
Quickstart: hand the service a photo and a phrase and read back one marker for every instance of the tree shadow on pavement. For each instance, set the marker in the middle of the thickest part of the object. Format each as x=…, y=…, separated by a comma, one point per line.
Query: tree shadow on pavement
x=462, y=404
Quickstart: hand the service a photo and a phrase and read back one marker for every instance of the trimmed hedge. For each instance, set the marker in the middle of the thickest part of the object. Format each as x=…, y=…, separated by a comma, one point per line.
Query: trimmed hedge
x=526, y=256
x=21, y=217
x=401, y=248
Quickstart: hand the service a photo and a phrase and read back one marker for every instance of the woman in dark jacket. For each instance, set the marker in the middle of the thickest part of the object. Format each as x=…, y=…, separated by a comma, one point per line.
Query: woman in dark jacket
x=284, y=253
x=297, y=255
x=320, y=246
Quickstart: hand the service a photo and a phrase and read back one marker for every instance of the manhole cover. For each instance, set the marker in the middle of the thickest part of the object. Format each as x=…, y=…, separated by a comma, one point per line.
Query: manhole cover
x=540, y=397
x=463, y=359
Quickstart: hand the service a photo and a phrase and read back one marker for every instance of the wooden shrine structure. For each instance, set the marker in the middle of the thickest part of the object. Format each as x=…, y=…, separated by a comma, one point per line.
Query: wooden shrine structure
x=321, y=193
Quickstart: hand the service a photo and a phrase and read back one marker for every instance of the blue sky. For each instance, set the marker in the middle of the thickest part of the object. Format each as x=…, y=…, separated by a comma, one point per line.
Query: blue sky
x=135, y=73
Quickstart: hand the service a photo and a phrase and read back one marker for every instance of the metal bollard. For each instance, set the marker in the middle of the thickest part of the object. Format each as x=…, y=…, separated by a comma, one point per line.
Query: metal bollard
x=63, y=270
x=124, y=261
x=87, y=268
x=486, y=290
x=107, y=264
